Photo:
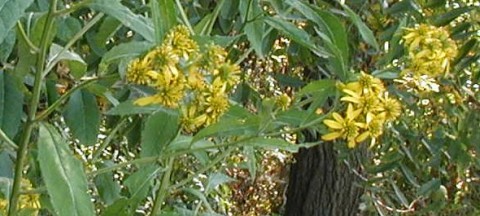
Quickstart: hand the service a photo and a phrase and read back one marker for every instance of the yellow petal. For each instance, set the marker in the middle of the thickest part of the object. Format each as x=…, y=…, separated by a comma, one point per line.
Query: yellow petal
x=351, y=143
x=333, y=124
x=331, y=136
x=337, y=117
x=350, y=99
x=362, y=137
x=145, y=101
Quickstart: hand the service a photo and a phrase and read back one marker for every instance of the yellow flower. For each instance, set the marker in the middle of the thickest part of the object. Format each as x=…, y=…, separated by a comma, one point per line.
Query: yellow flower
x=139, y=72
x=25, y=201
x=370, y=84
x=283, y=101
x=161, y=57
x=216, y=103
x=195, y=80
x=213, y=56
x=229, y=73
x=170, y=90
x=346, y=128
x=389, y=108
x=182, y=45
x=192, y=119
x=366, y=102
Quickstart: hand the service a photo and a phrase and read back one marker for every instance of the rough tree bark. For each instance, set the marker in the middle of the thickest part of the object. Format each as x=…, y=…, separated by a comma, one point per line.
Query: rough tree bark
x=320, y=184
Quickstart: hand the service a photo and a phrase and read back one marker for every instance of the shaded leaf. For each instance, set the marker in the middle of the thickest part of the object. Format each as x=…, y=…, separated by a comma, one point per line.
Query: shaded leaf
x=125, y=50
x=164, y=17
x=365, y=32
x=10, y=12
x=160, y=129
x=11, y=104
x=228, y=128
x=428, y=187
x=129, y=108
x=137, y=23
x=293, y=32
x=445, y=18
x=63, y=174
x=82, y=116
x=72, y=60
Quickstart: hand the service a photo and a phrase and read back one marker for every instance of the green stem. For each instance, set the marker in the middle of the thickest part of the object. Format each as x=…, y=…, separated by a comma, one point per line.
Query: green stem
x=163, y=190
x=109, y=139
x=70, y=43
x=10, y=143
x=184, y=17
x=32, y=109
x=62, y=98
x=215, y=161
x=73, y=8
x=25, y=37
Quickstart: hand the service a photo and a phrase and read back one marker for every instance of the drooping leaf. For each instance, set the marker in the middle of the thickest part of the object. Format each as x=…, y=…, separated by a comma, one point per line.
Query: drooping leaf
x=118, y=208
x=63, y=174
x=10, y=12
x=136, y=22
x=160, y=129
x=72, y=60
x=445, y=18
x=229, y=127
x=7, y=45
x=254, y=29
x=107, y=187
x=164, y=17
x=139, y=183
x=67, y=27
x=274, y=144
x=129, y=108
x=429, y=187
x=365, y=32
x=216, y=179
x=82, y=116
x=298, y=35
x=11, y=103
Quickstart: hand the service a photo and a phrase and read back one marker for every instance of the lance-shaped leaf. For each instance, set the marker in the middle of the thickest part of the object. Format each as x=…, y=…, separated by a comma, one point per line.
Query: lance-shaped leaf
x=160, y=129
x=63, y=174
x=10, y=13
x=11, y=102
x=83, y=117
x=137, y=23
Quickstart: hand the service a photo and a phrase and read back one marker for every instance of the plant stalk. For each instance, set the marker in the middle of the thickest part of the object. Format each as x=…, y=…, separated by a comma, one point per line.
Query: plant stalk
x=163, y=190
x=32, y=109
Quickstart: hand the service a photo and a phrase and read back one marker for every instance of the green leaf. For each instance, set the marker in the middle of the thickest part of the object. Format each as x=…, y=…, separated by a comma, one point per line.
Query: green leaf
x=164, y=17
x=11, y=104
x=118, y=208
x=428, y=187
x=229, y=127
x=319, y=87
x=160, y=129
x=254, y=29
x=137, y=23
x=216, y=179
x=399, y=194
x=10, y=12
x=124, y=51
x=67, y=27
x=107, y=187
x=63, y=174
x=82, y=116
x=6, y=165
x=446, y=18
x=200, y=196
x=365, y=32
x=129, y=108
x=274, y=144
x=296, y=34
x=98, y=40
x=139, y=184
x=328, y=23
x=73, y=61
x=7, y=46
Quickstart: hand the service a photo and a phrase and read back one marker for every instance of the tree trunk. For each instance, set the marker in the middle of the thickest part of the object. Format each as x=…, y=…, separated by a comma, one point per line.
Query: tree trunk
x=321, y=184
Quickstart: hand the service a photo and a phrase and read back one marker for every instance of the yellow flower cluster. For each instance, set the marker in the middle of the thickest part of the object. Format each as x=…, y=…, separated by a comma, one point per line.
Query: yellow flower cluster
x=369, y=108
x=197, y=82
x=430, y=50
x=25, y=201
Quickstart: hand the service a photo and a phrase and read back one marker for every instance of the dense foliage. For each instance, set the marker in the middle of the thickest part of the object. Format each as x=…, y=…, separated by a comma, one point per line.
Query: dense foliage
x=194, y=107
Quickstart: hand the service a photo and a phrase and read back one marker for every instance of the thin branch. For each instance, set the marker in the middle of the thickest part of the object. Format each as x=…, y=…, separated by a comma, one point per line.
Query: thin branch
x=26, y=38
x=8, y=141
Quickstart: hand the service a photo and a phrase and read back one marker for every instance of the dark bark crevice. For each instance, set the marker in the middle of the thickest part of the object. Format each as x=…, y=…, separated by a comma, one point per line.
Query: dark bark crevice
x=321, y=184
